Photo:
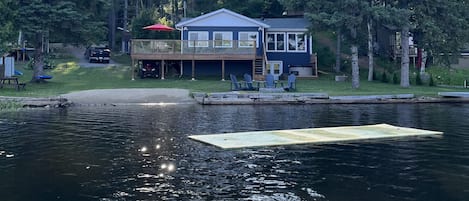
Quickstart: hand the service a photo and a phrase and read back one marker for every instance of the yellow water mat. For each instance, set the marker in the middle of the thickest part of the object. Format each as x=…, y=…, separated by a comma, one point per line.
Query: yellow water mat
x=309, y=135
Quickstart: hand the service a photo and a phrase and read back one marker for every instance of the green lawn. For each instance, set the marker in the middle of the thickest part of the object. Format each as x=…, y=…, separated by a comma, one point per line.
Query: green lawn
x=68, y=77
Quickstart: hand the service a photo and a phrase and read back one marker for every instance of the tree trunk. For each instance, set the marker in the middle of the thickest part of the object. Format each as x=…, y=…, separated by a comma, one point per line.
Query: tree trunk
x=405, y=57
x=338, y=61
x=112, y=26
x=355, y=67
x=124, y=26
x=424, y=61
x=38, y=65
x=370, y=51
x=2, y=67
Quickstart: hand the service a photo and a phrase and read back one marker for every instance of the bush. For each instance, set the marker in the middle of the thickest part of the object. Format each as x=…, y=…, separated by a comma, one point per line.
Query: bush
x=384, y=77
x=448, y=76
x=395, y=79
x=418, y=79
x=431, y=82
x=9, y=105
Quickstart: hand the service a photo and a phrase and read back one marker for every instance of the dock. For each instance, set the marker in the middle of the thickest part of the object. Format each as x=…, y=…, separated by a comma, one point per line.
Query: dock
x=454, y=94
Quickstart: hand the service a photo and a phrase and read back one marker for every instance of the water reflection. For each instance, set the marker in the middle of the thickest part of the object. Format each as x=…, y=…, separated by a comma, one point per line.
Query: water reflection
x=143, y=153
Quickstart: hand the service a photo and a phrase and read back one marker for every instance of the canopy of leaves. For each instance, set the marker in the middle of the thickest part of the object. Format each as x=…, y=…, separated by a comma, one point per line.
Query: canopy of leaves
x=73, y=21
x=441, y=26
x=7, y=17
x=250, y=8
x=146, y=18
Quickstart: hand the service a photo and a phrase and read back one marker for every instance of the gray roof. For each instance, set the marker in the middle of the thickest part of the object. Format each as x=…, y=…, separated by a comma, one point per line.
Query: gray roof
x=286, y=23
x=226, y=12
x=300, y=24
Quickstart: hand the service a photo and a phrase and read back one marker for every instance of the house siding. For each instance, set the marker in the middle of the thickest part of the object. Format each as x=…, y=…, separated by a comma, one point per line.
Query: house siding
x=234, y=30
x=297, y=59
x=209, y=57
x=213, y=68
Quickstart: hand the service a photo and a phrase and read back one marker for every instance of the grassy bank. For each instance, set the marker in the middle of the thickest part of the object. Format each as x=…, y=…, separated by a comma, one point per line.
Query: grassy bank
x=68, y=77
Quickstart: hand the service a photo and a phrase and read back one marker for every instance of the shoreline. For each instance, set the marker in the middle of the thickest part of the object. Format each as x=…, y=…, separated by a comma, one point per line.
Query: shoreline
x=231, y=98
x=145, y=97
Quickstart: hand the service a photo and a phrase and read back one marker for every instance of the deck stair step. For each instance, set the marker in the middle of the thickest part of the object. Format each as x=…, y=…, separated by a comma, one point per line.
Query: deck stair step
x=258, y=66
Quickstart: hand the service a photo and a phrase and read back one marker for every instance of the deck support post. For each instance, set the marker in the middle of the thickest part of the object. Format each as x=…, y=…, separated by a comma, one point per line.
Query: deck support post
x=193, y=69
x=181, y=68
x=162, y=69
x=222, y=70
x=254, y=69
x=132, y=68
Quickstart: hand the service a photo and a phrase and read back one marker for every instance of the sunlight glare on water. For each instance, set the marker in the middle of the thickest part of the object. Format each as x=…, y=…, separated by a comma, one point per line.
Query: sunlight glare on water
x=143, y=153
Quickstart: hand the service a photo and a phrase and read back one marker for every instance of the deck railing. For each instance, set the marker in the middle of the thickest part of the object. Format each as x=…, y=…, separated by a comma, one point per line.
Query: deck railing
x=200, y=47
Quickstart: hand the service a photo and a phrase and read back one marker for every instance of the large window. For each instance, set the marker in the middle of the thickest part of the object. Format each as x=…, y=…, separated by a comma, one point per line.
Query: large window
x=198, y=39
x=248, y=39
x=296, y=42
x=276, y=42
x=223, y=39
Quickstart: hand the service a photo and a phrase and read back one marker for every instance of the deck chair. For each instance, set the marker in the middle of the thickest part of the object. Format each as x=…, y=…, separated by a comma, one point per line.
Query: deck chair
x=291, y=83
x=249, y=82
x=270, y=81
x=235, y=85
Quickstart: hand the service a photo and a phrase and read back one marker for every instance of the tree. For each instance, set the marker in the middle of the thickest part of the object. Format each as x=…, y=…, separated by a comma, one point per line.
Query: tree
x=7, y=32
x=347, y=15
x=441, y=27
x=73, y=21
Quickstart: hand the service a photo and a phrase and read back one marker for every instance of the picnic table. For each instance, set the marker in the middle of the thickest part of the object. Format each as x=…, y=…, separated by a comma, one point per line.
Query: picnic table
x=12, y=82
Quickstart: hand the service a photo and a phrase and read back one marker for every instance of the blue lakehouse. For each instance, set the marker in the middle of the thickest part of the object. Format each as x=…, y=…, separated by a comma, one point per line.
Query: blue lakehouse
x=224, y=42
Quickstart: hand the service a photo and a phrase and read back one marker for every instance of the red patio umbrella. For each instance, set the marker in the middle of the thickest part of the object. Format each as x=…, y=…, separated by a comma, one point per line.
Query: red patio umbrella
x=158, y=27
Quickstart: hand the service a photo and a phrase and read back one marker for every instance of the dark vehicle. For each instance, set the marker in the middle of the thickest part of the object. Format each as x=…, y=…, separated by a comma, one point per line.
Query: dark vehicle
x=98, y=54
x=149, y=70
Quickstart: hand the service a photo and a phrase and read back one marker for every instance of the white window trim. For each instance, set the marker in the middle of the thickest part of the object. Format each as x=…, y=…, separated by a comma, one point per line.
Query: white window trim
x=296, y=42
x=275, y=42
x=197, y=43
x=310, y=44
x=230, y=39
x=249, y=33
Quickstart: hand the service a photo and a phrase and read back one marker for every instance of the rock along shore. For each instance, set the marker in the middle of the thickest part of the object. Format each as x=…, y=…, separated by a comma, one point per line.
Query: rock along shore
x=113, y=97
x=29, y=102
x=239, y=98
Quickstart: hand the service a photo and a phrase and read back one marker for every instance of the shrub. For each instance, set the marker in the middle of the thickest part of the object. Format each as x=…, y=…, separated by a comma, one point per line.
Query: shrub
x=431, y=82
x=418, y=79
x=384, y=77
x=395, y=79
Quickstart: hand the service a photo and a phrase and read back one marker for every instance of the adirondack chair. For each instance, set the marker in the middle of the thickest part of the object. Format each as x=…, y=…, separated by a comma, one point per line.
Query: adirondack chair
x=249, y=82
x=235, y=85
x=291, y=83
x=270, y=81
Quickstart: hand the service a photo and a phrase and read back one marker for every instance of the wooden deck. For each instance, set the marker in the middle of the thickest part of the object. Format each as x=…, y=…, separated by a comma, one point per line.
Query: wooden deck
x=196, y=57
x=143, y=49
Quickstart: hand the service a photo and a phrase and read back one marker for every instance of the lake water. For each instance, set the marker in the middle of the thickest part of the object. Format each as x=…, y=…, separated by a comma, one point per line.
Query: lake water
x=143, y=153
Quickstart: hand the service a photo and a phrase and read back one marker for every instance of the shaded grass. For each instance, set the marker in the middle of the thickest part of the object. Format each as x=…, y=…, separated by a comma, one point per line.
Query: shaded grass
x=449, y=76
x=69, y=77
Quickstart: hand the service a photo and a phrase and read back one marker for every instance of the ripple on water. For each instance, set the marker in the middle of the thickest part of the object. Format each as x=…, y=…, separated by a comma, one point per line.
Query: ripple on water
x=130, y=152
x=275, y=197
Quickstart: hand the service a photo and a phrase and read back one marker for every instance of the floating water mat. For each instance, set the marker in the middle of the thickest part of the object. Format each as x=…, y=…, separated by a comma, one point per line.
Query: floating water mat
x=309, y=135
